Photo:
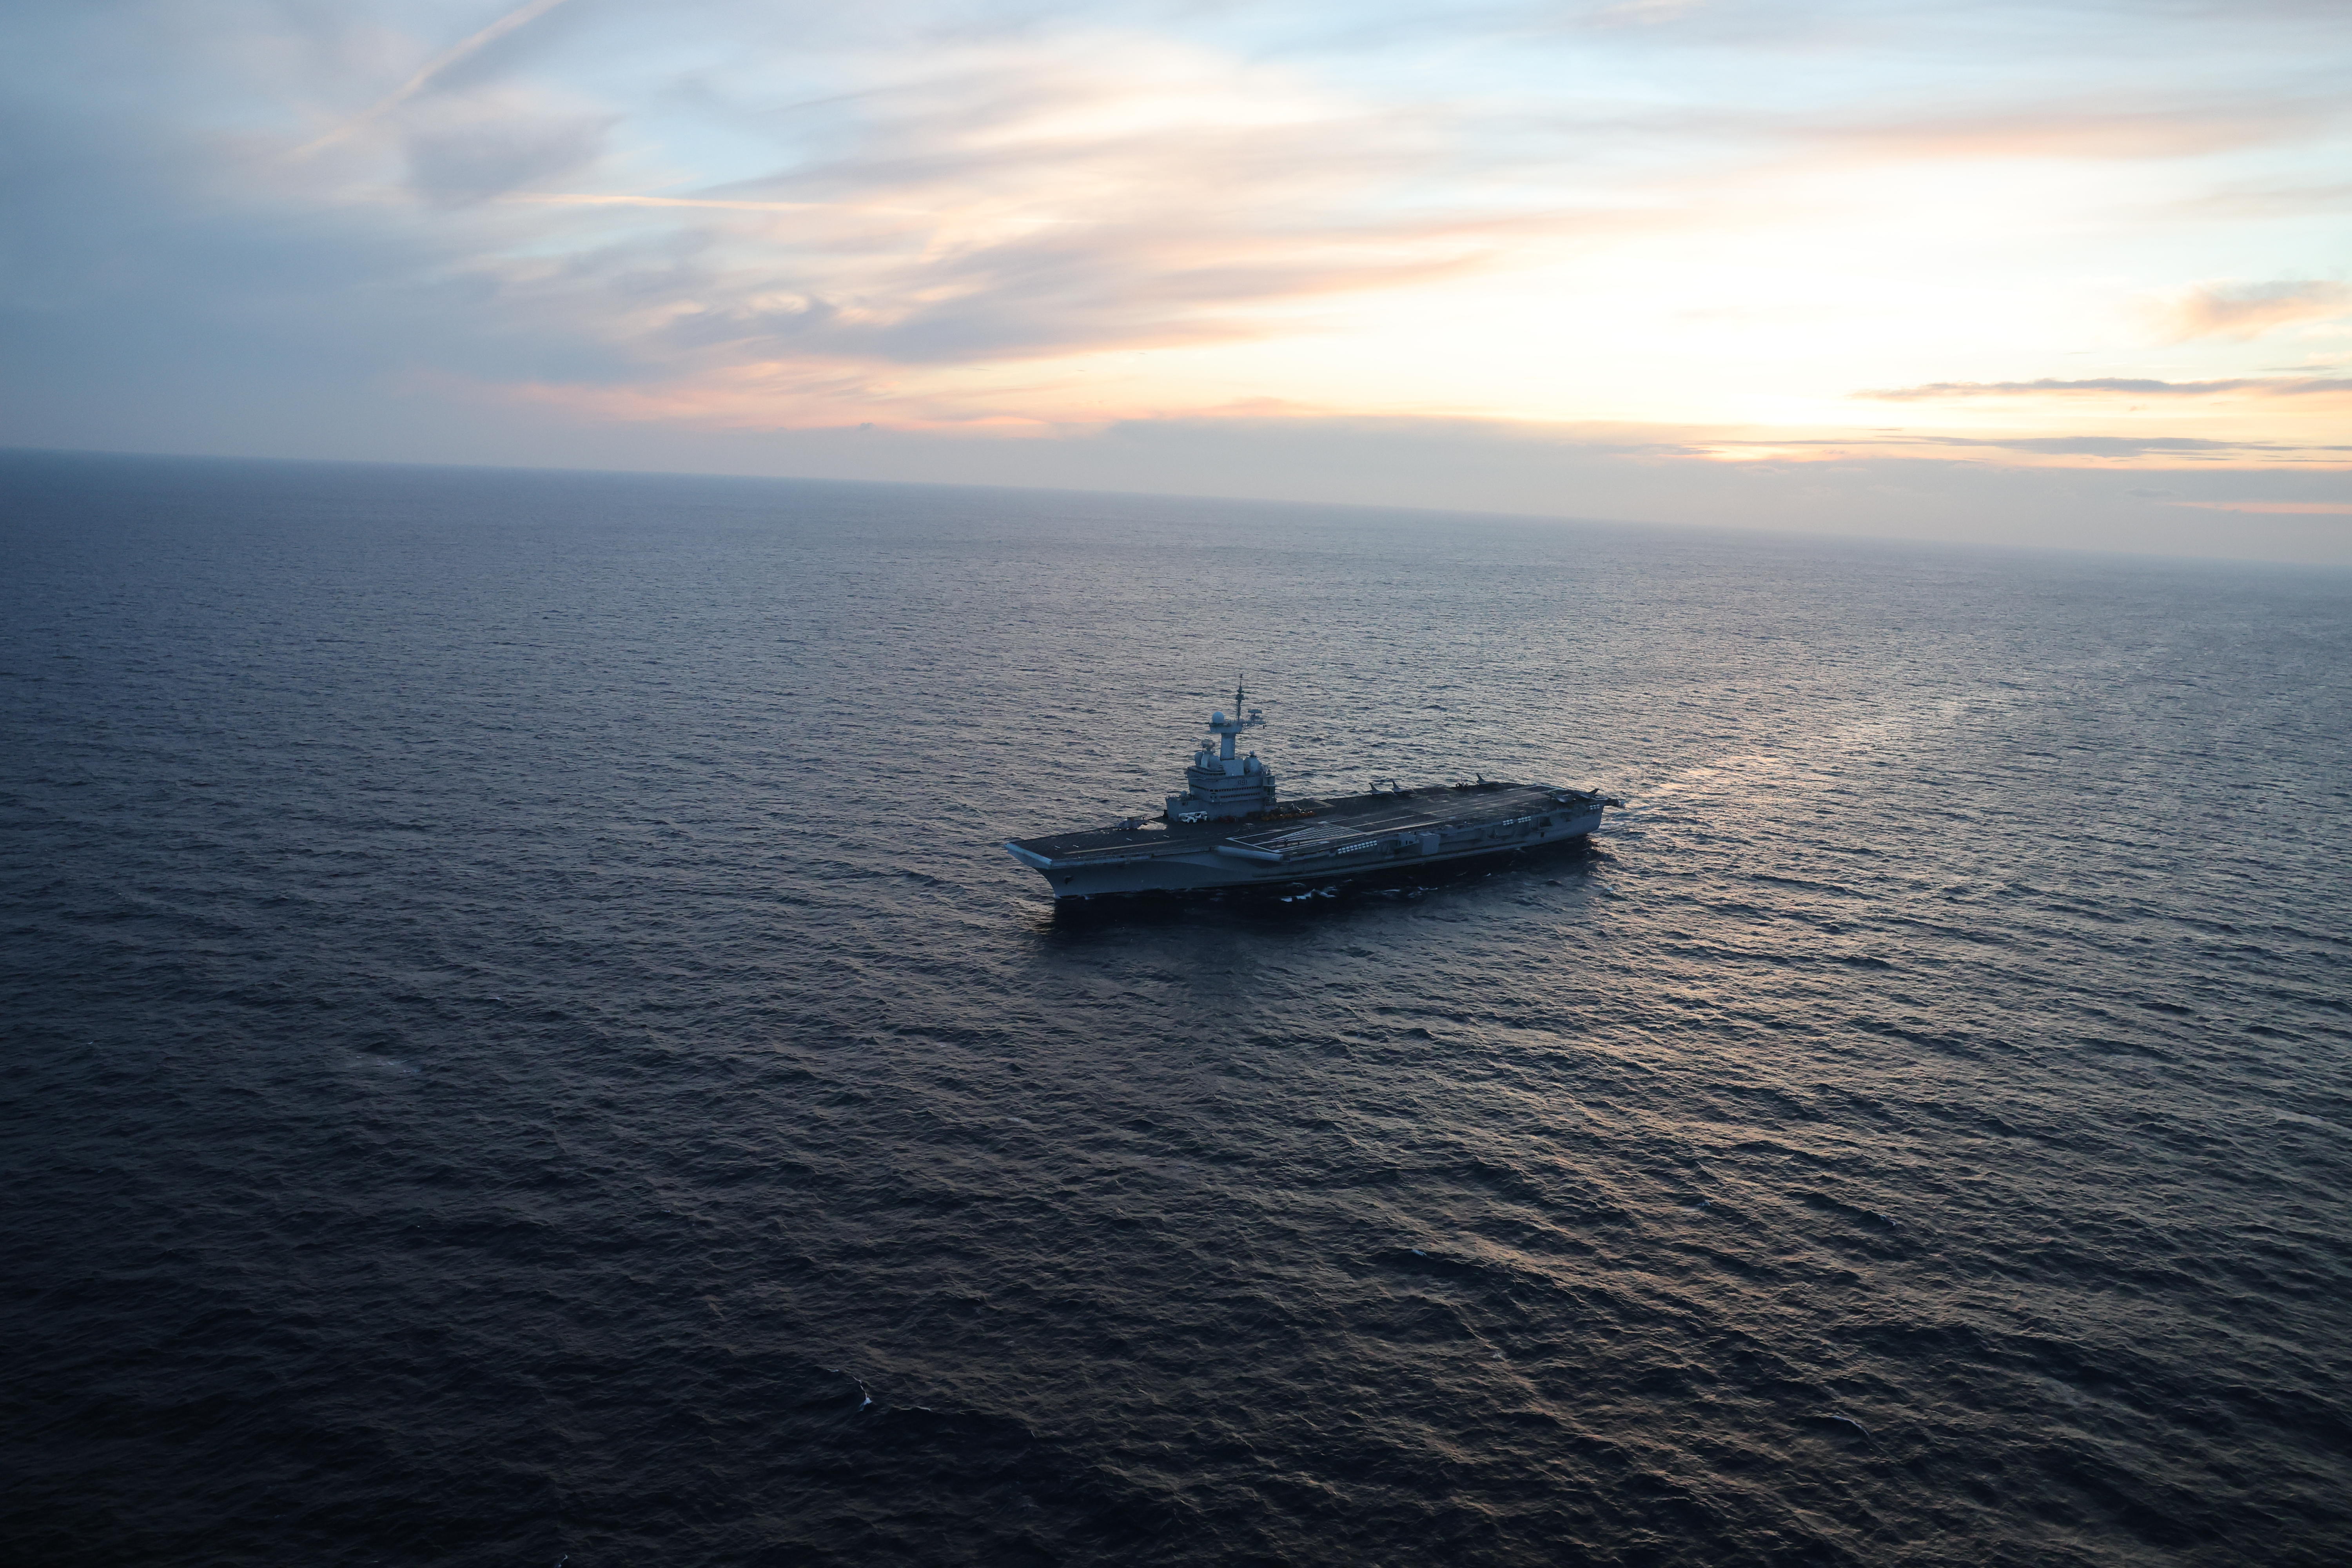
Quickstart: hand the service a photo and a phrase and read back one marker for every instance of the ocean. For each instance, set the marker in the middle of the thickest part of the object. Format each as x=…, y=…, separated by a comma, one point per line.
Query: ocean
x=523, y=1046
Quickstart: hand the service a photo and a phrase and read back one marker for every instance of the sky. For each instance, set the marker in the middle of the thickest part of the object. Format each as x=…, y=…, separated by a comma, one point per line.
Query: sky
x=2073, y=273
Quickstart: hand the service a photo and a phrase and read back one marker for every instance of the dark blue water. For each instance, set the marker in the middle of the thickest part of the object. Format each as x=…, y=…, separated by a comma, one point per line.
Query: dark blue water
x=523, y=1048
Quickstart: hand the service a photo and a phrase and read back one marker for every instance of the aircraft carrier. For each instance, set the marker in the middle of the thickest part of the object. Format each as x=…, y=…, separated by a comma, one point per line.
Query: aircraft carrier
x=1228, y=829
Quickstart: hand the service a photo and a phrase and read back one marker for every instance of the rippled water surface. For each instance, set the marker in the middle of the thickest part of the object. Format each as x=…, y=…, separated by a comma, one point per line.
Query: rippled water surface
x=522, y=1046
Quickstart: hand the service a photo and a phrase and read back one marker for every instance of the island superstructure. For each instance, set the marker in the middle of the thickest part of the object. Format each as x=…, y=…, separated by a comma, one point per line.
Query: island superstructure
x=1230, y=829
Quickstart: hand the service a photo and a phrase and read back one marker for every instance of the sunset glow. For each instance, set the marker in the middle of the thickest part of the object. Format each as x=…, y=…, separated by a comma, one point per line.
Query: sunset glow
x=2083, y=236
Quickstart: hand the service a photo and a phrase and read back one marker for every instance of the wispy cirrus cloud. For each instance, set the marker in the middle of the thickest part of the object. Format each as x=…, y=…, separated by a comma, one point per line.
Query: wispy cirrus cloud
x=2246, y=310
x=1015, y=206
x=2119, y=385
x=1117, y=193
x=425, y=75
x=479, y=149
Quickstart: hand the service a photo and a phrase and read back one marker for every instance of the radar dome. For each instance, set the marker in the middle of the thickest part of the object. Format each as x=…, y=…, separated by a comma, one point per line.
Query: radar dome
x=1218, y=717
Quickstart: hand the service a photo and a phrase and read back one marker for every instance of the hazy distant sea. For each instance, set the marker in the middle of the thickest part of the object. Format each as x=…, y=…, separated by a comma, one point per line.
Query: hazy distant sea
x=522, y=1046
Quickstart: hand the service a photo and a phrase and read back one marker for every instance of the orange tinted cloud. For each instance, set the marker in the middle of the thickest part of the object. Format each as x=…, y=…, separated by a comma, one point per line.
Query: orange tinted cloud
x=1021, y=205
x=2243, y=310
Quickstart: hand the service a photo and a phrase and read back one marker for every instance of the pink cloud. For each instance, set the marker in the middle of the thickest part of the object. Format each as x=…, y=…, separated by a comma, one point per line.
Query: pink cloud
x=2243, y=311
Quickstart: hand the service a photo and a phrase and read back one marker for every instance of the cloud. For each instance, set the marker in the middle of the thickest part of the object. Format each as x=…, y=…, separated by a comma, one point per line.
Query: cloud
x=2179, y=130
x=2244, y=311
x=1655, y=474
x=1928, y=444
x=425, y=75
x=744, y=222
x=2132, y=386
x=986, y=206
x=482, y=150
x=1111, y=193
x=2276, y=508
x=2117, y=446
x=2275, y=199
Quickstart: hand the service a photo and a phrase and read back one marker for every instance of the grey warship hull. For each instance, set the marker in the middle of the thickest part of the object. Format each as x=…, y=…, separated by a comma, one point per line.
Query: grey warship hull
x=1312, y=840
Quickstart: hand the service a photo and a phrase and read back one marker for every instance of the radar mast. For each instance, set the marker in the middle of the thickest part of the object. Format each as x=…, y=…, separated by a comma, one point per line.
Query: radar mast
x=1222, y=783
